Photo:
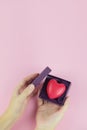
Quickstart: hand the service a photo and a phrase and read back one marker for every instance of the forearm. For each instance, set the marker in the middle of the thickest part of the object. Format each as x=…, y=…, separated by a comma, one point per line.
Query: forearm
x=44, y=128
x=40, y=129
x=6, y=121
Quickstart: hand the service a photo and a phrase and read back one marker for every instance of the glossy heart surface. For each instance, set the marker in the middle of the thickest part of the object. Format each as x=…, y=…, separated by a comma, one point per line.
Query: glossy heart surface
x=55, y=89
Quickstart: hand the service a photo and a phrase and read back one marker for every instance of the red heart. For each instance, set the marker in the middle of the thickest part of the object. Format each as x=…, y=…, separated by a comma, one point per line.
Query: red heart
x=55, y=89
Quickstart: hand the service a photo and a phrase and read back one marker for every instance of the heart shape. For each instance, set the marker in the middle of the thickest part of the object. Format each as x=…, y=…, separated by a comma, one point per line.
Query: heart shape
x=55, y=89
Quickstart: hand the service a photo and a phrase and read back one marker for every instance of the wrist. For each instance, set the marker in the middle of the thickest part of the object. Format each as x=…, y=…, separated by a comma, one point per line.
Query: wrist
x=6, y=120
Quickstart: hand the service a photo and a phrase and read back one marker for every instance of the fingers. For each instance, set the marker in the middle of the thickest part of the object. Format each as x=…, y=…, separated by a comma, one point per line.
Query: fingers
x=40, y=102
x=34, y=93
x=25, y=82
x=29, y=78
x=65, y=107
x=27, y=92
x=58, y=115
x=37, y=90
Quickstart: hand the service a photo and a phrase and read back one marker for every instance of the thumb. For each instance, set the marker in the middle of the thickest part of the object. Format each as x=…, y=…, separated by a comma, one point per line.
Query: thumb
x=27, y=91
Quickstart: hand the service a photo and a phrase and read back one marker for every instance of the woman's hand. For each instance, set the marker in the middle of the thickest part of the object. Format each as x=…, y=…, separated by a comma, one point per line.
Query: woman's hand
x=22, y=94
x=49, y=115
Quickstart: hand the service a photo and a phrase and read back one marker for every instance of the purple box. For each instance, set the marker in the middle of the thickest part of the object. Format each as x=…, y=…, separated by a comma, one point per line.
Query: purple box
x=62, y=98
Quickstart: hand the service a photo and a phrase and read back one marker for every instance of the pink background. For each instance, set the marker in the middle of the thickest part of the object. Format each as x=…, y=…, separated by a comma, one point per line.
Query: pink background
x=37, y=33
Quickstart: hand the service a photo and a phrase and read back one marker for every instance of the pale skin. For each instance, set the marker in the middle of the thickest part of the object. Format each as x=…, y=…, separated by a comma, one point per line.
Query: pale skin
x=48, y=115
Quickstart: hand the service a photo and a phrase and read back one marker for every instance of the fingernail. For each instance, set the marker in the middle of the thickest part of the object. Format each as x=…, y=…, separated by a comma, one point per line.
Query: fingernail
x=31, y=87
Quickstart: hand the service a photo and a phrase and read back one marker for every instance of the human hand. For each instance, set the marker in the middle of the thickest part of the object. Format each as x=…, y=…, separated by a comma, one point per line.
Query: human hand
x=22, y=95
x=49, y=115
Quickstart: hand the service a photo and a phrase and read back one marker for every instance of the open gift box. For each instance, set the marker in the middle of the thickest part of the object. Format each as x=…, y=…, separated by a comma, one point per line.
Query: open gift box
x=55, y=89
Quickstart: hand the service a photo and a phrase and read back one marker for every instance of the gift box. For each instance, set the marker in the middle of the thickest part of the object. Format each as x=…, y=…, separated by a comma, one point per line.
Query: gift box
x=53, y=87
